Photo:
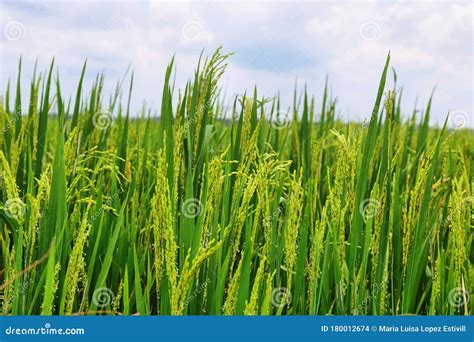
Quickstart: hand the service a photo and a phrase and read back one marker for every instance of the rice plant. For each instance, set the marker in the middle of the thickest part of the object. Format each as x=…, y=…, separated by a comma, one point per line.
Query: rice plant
x=229, y=207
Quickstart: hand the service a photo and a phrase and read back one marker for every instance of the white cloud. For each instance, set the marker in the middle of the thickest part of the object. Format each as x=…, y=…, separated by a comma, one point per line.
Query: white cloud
x=275, y=42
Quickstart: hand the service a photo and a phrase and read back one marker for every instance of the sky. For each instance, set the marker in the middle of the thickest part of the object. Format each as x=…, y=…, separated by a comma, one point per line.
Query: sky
x=275, y=44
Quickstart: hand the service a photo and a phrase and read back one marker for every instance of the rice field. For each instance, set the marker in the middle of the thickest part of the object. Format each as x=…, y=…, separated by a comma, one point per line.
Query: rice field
x=242, y=206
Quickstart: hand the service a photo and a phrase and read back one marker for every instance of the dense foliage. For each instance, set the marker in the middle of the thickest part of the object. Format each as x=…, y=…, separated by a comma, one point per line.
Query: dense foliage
x=252, y=208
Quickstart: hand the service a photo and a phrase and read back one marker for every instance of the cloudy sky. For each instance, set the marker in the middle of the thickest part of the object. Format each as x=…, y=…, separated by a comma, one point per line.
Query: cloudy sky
x=275, y=43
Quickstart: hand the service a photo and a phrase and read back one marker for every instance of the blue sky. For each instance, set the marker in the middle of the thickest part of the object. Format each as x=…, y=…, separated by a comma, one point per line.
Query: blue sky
x=275, y=42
